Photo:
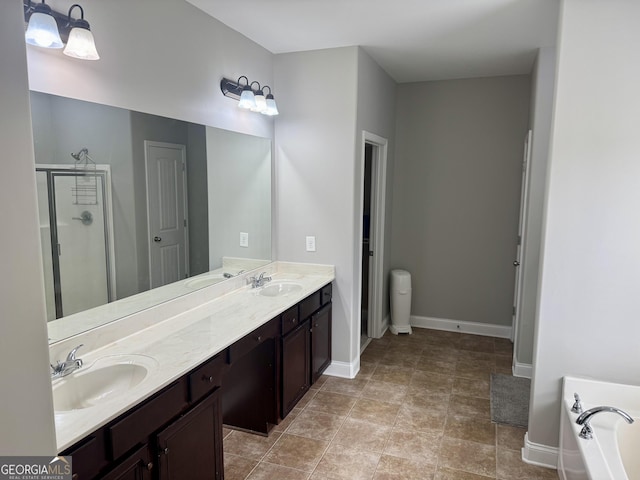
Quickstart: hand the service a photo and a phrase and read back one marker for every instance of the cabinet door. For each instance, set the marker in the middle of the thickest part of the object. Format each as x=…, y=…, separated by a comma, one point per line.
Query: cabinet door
x=191, y=447
x=248, y=390
x=295, y=366
x=136, y=467
x=320, y=342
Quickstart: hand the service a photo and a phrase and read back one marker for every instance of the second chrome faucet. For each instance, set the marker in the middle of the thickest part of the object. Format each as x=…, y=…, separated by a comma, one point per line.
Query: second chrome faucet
x=259, y=281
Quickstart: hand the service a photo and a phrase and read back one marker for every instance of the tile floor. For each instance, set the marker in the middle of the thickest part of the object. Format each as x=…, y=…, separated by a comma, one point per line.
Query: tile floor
x=418, y=409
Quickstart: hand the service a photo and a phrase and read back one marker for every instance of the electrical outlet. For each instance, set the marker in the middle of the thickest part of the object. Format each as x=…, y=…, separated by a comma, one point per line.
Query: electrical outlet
x=244, y=239
x=311, y=244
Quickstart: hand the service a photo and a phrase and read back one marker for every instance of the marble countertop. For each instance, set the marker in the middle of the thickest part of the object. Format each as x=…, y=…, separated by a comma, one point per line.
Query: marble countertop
x=182, y=342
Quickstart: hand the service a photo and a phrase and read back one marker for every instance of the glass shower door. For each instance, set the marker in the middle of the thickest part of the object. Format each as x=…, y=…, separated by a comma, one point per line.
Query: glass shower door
x=81, y=244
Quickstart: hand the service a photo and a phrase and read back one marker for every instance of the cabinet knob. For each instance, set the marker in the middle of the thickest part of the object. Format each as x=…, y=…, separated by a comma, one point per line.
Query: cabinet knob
x=207, y=378
x=166, y=451
x=150, y=466
x=316, y=325
x=74, y=476
x=259, y=338
x=294, y=320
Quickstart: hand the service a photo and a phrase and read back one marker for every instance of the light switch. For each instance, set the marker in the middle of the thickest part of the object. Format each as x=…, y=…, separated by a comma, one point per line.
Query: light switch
x=244, y=239
x=311, y=244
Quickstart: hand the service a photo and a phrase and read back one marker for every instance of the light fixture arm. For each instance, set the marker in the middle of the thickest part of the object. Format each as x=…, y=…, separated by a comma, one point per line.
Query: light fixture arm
x=77, y=22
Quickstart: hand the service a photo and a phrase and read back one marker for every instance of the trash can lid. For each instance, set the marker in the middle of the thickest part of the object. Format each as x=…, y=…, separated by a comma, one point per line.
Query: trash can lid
x=397, y=272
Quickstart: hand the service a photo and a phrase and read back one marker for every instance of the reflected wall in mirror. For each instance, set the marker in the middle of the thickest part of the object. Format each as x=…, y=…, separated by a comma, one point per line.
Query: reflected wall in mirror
x=151, y=202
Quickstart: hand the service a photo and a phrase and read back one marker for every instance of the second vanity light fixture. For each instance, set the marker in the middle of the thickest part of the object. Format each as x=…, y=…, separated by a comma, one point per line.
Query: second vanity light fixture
x=248, y=98
x=45, y=26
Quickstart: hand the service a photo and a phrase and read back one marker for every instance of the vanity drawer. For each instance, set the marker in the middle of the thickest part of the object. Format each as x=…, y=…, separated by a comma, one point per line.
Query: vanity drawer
x=309, y=305
x=247, y=343
x=140, y=423
x=290, y=320
x=207, y=377
x=89, y=457
x=325, y=294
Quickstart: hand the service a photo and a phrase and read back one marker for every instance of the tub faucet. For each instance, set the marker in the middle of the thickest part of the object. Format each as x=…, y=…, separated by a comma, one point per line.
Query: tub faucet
x=70, y=365
x=585, y=418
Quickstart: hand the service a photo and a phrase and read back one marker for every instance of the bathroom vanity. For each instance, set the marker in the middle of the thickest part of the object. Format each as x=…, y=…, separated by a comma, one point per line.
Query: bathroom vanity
x=243, y=359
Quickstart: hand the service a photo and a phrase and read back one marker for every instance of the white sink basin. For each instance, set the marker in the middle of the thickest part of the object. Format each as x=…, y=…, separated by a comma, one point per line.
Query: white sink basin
x=204, y=280
x=104, y=380
x=279, y=289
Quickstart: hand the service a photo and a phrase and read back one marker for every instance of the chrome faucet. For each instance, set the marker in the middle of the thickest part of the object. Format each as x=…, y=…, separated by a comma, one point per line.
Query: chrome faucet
x=584, y=419
x=70, y=365
x=231, y=275
x=259, y=281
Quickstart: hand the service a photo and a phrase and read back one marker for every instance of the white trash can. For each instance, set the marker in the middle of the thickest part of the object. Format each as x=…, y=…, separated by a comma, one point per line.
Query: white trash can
x=400, y=302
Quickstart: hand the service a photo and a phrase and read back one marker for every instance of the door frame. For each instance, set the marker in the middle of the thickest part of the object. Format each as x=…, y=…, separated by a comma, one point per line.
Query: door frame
x=183, y=148
x=522, y=234
x=375, y=325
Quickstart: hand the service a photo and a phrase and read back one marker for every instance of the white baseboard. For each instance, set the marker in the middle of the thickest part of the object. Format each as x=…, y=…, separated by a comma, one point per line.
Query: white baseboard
x=522, y=370
x=487, y=329
x=343, y=369
x=540, y=455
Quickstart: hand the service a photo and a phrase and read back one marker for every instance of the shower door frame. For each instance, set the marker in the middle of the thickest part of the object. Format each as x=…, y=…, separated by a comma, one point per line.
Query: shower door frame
x=104, y=174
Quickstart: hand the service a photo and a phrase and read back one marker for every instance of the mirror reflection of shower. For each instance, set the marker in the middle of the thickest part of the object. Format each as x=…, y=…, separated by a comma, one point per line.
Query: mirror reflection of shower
x=76, y=228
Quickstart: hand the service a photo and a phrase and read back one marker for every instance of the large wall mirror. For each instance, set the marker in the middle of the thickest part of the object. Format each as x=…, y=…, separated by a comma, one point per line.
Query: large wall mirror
x=136, y=209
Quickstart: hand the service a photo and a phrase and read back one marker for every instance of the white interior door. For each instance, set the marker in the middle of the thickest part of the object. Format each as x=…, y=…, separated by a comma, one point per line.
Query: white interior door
x=522, y=225
x=166, y=212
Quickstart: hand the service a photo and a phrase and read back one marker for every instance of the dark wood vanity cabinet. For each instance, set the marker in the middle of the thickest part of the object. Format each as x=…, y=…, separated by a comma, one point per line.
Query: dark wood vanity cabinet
x=296, y=355
x=137, y=466
x=177, y=433
x=320, y=324
x=191, y=446
x=306, y=346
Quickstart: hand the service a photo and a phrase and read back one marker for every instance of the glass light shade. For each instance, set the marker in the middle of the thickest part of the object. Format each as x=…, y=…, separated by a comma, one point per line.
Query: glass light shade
x=81, y=45
x=261, y=102
x=272, y=108
x=247, y=99
x=43, y=31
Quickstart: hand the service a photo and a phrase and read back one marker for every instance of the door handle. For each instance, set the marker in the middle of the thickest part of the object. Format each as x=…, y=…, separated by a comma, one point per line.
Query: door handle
x=516, y=263
x=371, y=253
x=157, y=239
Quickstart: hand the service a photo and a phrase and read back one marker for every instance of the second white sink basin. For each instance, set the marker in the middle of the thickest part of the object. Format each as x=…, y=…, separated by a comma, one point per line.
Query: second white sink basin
x=279, y=288
x=205, y=280
x=107, y=378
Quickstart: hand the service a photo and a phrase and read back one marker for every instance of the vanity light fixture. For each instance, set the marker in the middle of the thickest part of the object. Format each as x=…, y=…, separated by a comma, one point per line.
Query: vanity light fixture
x=50, y=29
x=42, y=30
x=81, y=44
x=247, y=97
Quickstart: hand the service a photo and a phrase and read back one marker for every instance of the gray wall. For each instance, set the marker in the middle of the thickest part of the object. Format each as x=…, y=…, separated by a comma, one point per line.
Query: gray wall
x=542, y=82
x=62, y=126
x=26, y=416
x=197, y=199
x=132, y=73
x=155, y=129
x=457, y=192
x=315, y=173
x=588, y=305
x=375, y=114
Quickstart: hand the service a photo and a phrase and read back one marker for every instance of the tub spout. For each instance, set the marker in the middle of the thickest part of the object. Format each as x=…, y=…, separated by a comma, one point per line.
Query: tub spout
x=585, y=418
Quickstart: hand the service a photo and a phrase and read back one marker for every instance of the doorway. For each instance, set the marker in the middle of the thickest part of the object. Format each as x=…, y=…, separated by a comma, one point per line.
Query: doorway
x=366, y=245
x=371, y=236
x=166, y=212
x=521, y=246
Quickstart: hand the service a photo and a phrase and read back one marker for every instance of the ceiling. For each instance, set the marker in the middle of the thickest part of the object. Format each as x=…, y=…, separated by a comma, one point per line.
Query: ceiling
x=413, y=40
